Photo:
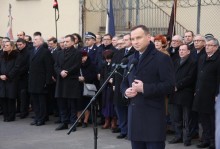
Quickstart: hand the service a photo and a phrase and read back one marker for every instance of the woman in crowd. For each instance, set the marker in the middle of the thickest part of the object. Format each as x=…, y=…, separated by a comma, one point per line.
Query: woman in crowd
x=107, y=93
x=9, y=68
x=87, y=75
x=78, y=41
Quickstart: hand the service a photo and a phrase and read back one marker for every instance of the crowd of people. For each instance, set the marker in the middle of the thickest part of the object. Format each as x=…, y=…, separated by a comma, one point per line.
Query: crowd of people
x=169, y=84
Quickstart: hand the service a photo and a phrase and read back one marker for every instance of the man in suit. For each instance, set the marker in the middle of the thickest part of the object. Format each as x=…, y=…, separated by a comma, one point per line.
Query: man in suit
x=40, y=76
x=207, y=88
x=120, y=103
x=185, y=75
x=67, y=67
x=145, y=87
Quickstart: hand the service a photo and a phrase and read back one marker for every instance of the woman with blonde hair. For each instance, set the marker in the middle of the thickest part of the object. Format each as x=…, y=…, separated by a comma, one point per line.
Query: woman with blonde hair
x=9, y=68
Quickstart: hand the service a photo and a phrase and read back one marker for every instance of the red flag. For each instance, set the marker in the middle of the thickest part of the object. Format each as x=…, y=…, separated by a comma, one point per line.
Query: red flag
x=9, y=32
x=55, y=4
x=171, y=29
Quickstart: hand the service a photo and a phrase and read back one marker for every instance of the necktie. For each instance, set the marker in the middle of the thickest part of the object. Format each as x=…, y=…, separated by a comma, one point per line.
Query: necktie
x=126, y=51
x=35, y=50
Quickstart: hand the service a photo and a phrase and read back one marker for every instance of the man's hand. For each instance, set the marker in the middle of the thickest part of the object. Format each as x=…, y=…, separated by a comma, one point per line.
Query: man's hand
x=130, y=92
x=64, y=73
x=3, y=77
x=138, y=86
x=81, y=79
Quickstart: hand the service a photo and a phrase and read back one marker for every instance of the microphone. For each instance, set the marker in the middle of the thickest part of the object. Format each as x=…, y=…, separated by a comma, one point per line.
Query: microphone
x=133, y=63
x=123, y=63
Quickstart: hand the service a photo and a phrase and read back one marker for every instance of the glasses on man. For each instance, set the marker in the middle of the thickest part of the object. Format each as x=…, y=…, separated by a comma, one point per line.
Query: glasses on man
x=198, y=40
x=210, y=45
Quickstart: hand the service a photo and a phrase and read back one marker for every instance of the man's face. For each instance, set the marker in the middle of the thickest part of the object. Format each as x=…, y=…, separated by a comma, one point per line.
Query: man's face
x=20, y=45
x=98, y=39
x=3, y=42
x=120, y=44
x=52, y=45
x=175, y=42
x=210, y=47
x=68, y=43
x=107, y=40
x=7, y=47
x=114, y=41
x=188, y=38
x=199, y=42
x=127, y=41
x=139, y=39
x=90, y=42
x=37, y=41
x=20, y=35
x=183, y=51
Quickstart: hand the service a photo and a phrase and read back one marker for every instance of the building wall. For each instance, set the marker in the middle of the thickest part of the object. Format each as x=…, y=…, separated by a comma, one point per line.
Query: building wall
x=38, y=15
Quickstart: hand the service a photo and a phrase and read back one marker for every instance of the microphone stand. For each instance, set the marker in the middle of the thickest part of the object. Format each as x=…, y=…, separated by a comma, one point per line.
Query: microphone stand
x=94, y=108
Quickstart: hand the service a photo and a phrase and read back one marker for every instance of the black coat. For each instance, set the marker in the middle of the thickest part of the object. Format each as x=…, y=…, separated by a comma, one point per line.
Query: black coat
x=40, y=70
x=9, y=66
x=185, y=79
x=24, y=57
x=146, y=111
x=174, y=53
x=69, y=60
x=207, y=85
x=118, y=98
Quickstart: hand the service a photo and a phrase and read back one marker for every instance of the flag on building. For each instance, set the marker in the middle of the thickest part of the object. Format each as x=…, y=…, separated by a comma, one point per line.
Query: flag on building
x=171, y=29
x=9, y=32
x=110, y=23
x=55, y=6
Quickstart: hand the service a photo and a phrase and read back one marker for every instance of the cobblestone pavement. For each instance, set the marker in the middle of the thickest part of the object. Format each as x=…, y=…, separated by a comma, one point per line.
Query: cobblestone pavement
x=21, y=135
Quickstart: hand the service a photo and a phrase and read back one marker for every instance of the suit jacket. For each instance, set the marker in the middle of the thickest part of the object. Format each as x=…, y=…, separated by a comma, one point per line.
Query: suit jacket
x=207, y=85
x=185, y=76
x=40, y=70
x=69, y=60
x=118, y=98
x=146, y=111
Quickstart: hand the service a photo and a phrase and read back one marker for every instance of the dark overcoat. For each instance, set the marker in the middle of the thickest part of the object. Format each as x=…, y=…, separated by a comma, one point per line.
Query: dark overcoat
x=146, y=111
x=207, y=85
x=69, y=60
x=118, y=98
x=9, y=66
x=185, y=76
x=40, y=70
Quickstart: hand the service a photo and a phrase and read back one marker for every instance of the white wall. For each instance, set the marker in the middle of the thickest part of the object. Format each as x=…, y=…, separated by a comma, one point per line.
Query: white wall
x=38, y=15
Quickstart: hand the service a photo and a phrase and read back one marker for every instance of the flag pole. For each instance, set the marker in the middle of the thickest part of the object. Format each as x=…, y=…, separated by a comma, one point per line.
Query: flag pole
x=56, y=22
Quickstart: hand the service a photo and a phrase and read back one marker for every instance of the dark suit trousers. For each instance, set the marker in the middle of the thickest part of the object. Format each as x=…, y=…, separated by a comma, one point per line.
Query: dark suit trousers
x=208, y=125
x=181, y=121
x=122, y=113
x=68, y=110
x=39, y=104
x=147, y=145
x=23, y=96
x=8, y=108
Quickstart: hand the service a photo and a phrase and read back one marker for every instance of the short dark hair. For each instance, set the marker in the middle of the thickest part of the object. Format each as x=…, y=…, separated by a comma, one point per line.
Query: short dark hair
x=108, y=35
x=187, y=45
x=143, y=27
x=189, y=31
x=52, y=39
x=71, y=37
x=21, y=40
x=29, y=37
x=6, y=38
x=78, y=36
x=37, y=33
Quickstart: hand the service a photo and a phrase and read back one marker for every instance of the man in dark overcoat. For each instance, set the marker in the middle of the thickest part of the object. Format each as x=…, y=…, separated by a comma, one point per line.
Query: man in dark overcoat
x=185, y=76
x=67, y=67
x=207, y=88
x=120, y=103
x=40, y=76
x=145, y=87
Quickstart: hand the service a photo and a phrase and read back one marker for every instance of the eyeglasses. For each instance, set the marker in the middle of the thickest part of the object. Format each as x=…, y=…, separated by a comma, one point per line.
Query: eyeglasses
x=198, y=40
x=106, y=39
x=175, y=40
x=210, y=45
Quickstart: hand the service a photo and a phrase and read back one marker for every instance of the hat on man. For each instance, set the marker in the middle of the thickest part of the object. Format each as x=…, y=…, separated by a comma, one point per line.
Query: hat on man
x=209, y=36
x=90, y=35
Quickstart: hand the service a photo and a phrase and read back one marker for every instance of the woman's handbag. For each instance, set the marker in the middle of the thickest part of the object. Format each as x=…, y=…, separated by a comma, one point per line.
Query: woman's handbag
x=89, y=90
